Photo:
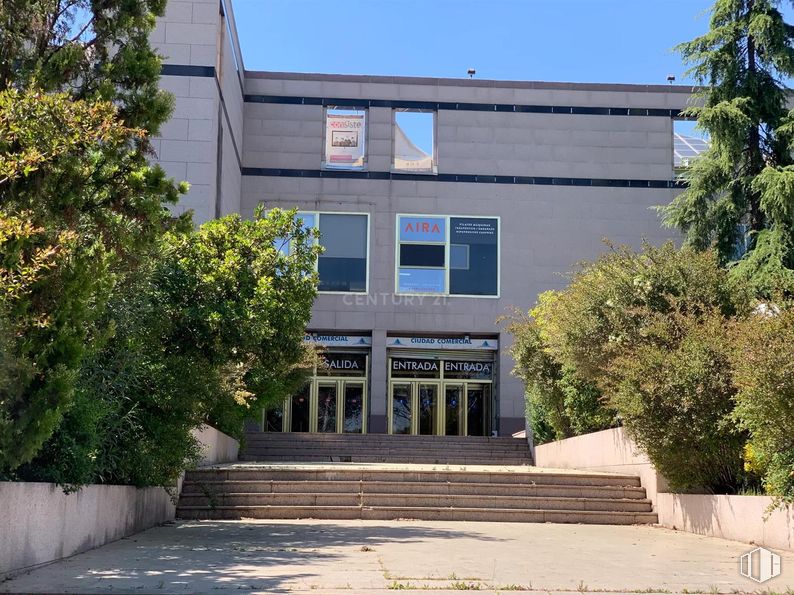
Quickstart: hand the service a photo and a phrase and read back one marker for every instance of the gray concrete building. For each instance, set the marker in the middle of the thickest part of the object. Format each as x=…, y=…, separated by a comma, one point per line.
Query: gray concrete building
x=442, y=203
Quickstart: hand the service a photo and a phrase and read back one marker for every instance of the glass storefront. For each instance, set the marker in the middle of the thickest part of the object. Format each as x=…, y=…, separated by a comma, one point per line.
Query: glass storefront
x=443, y=397
x=333, y=401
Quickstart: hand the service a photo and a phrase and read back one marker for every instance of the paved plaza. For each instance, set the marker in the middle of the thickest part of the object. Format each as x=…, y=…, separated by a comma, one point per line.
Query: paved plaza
x=371, y=556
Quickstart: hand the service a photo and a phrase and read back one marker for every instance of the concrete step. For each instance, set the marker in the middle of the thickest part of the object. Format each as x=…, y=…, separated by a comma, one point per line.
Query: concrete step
x=417, y=501
x=415, y=487
x=422, y=460
x=333, y=437
x=419, y=513
x=421, y=449
x=264, y=472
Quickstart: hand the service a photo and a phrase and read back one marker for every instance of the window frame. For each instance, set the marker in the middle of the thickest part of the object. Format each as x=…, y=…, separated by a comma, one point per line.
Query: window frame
x=317, y=241
x=420, y=172
x=324, y=164
x=447, y=245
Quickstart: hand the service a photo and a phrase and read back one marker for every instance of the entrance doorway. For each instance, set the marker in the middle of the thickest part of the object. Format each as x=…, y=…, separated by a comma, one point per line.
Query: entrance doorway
x=333, y=401
x=440, y=408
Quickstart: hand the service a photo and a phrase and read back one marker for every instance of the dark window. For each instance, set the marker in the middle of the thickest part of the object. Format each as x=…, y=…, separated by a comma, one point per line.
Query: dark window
x=421, y=255
x=474, y=248
x=343, y=264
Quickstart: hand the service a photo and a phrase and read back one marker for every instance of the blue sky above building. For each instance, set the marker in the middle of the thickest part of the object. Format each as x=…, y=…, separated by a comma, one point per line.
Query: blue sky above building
x=616, y=41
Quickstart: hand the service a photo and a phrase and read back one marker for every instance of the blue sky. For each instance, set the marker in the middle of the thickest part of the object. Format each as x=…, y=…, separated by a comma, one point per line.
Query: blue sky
x=627, y=41
x=612, y=41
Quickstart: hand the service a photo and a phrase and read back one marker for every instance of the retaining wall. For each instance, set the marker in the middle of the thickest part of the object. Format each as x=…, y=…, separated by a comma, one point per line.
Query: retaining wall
x=740, y=518
x=41, y=524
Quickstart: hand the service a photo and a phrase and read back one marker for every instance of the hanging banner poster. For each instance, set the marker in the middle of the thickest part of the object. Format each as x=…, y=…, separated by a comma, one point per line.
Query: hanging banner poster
x=344, y=140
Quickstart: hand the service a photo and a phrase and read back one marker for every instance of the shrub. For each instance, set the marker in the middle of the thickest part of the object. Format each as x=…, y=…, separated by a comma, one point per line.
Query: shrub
x=78, y=206
x=764, y=375
x=559, y=403
x=212, y=326
x=640, y=339
x=674, y=392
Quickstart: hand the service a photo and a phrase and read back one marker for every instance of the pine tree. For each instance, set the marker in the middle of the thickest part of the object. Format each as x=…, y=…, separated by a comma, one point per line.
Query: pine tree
x=80, y=203
x=745, y=180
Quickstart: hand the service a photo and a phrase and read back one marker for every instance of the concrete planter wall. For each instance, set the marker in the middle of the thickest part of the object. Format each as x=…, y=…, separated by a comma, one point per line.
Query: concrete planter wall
x=40, y=524
x=608, y=451
x=741, y=518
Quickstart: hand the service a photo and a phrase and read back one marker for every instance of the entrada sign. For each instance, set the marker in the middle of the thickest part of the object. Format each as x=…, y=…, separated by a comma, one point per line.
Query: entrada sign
x=414, y=365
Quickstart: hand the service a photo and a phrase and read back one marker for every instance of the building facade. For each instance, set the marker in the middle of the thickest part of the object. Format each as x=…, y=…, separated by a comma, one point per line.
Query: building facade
x=442, y=204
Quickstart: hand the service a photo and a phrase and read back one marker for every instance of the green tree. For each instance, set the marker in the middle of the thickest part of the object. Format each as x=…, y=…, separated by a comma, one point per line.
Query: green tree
x=209, y=331
x=763, y=365
x=91, y=49
x=78, y=204
x=746, y=177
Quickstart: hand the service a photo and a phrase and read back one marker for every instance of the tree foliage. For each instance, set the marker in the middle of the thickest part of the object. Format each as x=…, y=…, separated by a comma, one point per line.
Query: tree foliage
x=210, y=331
x=638, y=339
x=746, y=177
x=764, y=376
x=91, y=49
x=77, y=205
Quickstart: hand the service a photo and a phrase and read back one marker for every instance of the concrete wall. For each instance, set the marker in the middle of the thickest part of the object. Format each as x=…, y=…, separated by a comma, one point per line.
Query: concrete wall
x=41, y=524
x=608, y=451
x=217, y=446
x=202, y=142
x=741, y=518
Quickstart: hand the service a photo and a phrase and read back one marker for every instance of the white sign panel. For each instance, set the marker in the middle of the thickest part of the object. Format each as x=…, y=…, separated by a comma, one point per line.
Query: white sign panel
x=339, y=340
x=442, y=343
x=344, y=140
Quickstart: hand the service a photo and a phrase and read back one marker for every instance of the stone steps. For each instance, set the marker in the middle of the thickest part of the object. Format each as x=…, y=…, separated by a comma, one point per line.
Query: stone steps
x=517, y=494
x=413, y=487
x=384, y=448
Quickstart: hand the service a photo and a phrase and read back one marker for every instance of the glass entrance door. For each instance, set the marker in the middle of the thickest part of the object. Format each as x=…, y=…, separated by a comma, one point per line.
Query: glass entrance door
x=478, y=401
x=453, y=409
x=300, y=416
x=429, y=409
x=401, y=412
x=353, y=407
x=326, y=406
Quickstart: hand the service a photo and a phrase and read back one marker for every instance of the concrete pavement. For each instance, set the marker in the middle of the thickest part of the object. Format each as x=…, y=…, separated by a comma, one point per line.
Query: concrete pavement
x=374, y=556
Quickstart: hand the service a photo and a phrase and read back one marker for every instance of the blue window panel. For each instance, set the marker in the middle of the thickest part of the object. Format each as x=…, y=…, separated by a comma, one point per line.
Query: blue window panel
x=423, y=229
x=459, y=256
x=309, y=219
x=421, y=280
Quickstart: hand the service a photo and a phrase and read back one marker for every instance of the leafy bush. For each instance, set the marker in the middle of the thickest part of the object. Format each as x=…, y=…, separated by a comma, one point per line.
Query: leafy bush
x=640, y=339
x=559, y=403
x=674, y=392
x=77, y=207
x=212, y=326
x=764, y=375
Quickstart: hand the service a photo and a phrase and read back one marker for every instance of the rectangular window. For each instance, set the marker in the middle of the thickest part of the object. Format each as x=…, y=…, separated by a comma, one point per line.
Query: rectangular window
x=689, y=142
x=414, y=147
x=447, y=255
x=343, y=265
x=345, y=138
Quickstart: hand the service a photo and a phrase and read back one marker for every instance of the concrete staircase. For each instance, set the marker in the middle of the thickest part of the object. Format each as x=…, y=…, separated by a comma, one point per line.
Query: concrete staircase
x=384, y=448
x=389, y=492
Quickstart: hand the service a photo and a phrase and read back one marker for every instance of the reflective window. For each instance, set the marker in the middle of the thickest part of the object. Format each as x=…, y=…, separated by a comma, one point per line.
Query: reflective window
x=448, y=255
x=343, y=264
x=414, y=141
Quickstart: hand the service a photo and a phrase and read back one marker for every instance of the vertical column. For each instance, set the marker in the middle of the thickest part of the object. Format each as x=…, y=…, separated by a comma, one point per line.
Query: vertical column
x=378, y=383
